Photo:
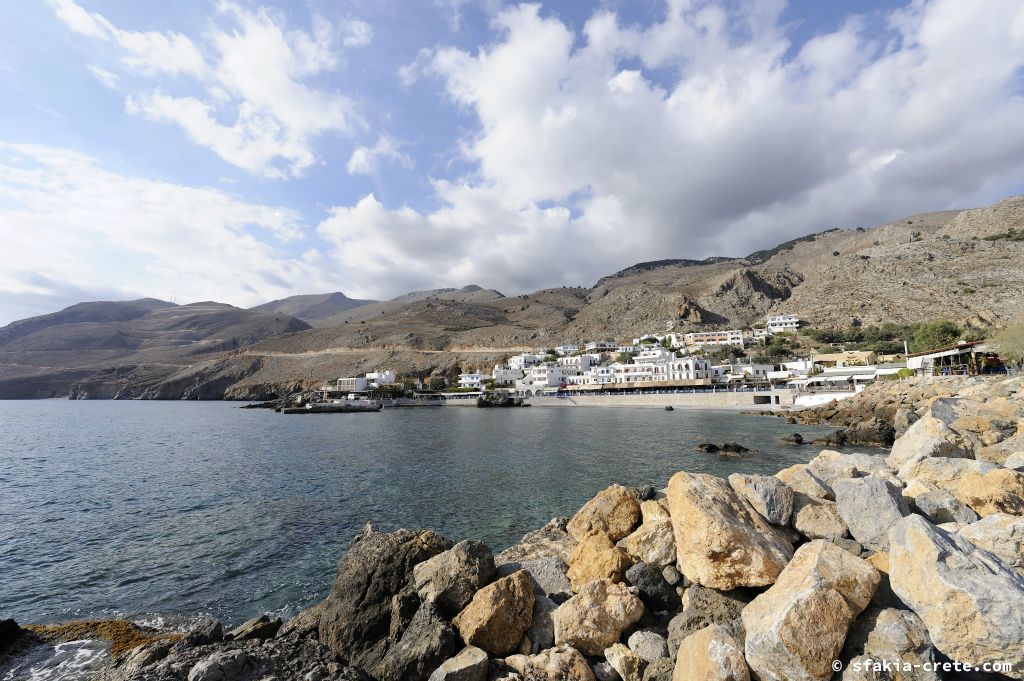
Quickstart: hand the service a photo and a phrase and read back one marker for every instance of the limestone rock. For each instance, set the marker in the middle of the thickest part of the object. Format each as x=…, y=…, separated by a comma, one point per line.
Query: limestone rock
x=649, y=645
x=817, y=518
x=800, y=478
x=595, y=618
x=888, y=635
x=356, y=618
x=208, y=630
x=656, y=593
x=704, y=606
x=257, y=628
x=596, y=557
x=220, y=666
x=870, y=507
x=721, y=541
x=615, y=511
x=654, y=509
x=710, y=654
x=550, y=540
x=628, y=664
x=548, y=573
x=928, y=437
x=498, y=615
x=542, y=625
x=939, y=506
x=986, y=487
x=450, y=579
x=561, y=663
x=659, y=670
x=653, y=542
x=424, y=644
x=796, y=628
x=769, y=496
x=469, y=665
x=604, y=671
x=999, y=534
x=971, y=602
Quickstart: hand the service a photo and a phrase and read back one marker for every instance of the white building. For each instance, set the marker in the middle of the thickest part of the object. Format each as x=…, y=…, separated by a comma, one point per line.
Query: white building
x=705, y=339
x=376, y=379
x=600, y=346
x=726, y=373
x=473, y=381
x=689, y=369
x=632, y=349
x=353, y=385
x=654, y=353
x=783, y=322
x=566, y=349
x=505, y=375
x=523, y=361
x=578, y=362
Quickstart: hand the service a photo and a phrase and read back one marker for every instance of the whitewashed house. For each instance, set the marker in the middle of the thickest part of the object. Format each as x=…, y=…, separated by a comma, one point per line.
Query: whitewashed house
x=782, y=323
x=473, y=381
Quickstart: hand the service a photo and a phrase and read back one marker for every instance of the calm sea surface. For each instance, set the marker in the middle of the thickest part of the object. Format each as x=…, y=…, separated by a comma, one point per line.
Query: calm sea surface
x=175, y=509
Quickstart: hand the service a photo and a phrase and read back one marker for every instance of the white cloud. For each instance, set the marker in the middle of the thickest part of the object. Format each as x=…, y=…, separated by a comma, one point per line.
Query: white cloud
x=702, y=133
x=366, y=160
x=254, y=107
x=106, y=77
x=73, y=230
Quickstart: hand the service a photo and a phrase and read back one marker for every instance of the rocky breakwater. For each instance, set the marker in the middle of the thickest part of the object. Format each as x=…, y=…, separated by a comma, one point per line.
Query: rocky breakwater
x=853, y=566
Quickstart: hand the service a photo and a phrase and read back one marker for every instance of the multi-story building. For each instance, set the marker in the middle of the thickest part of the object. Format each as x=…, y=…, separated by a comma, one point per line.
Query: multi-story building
x=523, y=361
x=473, y=381
x=704, y=339
x=783, y=322
x=376, y=379
x=579, y=362
x=505, y=375
x=353, y=385
x=566, y=349
x=600, y=346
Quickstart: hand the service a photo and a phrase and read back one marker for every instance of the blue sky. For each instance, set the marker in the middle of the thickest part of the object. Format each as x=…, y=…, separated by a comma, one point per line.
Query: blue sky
x=243, y=151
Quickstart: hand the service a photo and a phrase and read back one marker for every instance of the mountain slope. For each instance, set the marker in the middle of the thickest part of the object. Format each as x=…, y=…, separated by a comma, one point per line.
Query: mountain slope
x=313, y=308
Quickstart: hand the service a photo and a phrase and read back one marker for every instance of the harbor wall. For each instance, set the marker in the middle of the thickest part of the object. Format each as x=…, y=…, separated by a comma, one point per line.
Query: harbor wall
x=776, y=399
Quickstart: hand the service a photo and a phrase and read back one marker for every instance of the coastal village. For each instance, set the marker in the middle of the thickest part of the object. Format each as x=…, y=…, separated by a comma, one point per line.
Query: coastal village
x=673, y=363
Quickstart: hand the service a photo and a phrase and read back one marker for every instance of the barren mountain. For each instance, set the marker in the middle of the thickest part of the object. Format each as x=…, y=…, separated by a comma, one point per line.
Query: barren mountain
x=966, y=266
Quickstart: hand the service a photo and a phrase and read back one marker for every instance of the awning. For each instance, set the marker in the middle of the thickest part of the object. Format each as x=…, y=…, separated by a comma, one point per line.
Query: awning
x=837, y=379
x=864, y=377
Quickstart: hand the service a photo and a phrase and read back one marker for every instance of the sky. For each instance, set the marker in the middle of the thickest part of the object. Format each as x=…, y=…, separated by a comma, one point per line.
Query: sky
x=247, y=151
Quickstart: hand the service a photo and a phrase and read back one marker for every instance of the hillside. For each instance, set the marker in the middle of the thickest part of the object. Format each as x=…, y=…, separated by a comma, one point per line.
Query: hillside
x=959, y=265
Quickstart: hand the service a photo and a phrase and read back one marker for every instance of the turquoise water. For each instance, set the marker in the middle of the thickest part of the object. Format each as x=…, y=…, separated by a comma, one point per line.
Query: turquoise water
x=174, y=509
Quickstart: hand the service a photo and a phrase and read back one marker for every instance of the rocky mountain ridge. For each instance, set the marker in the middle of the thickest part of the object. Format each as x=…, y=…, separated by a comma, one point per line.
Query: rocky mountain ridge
x=955, y=265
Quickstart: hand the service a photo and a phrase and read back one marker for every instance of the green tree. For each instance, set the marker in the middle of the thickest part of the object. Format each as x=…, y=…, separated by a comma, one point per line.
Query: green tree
x=1009, y=343
x=937, y=333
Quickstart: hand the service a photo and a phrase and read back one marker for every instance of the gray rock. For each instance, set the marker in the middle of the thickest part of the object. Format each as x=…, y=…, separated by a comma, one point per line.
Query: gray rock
x=542, y=627
x=205, y=631
x=1000, y=534
x=550, y=540
x=660, y=670
x=817, y=518
x=450, y=579
x=870, y=507
x=904, y=418
x=706, y=606
x=649, y=645
x=470, y=664
x=603, y=671
x=548, y=573
x=769, y=496
x=428, y=641
x=897, y=637
x=257, y=628
x=657, y=594
x=222, y=666
x=671, y=575
x=1015, y=461
x=373, y=599
x=939, y=506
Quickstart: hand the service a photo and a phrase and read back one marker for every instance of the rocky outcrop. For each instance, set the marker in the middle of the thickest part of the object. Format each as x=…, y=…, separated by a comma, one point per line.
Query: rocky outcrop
x=721, y=541
x=971, y=602
x=796, y=629
x=499, y=615
x=595, y=618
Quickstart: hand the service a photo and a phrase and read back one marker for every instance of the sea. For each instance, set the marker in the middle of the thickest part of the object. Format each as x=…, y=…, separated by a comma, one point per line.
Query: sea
x=163, y=512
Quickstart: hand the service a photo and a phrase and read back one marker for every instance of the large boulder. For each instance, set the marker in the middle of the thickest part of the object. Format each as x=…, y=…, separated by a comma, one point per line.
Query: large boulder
x=427, y=642
x=373, y=587
x=654, y=509
x=928, y=437
x=615, y=511
x=549, y=576
x=710, y=654
x=450, y=579
x=817, y=518
x=702, y=607
x=971, y=602
x=561, y=663
x=769, y=496
x=795, y=629
x=656, y=593
x=889, y=644
x=803, y=480
x=596, y=557
x=550, y=540
x=653, y=542
x=498, y=615
x=721, y=541
x=939, y=506
x=542, y=625
x=595, y=618
x=869, y=506
x=999, y=534
x=983, y=486
x=649, y=645
x=469, y=665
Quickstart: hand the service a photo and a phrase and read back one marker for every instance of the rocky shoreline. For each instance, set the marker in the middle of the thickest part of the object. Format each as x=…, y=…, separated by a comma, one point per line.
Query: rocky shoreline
x=852, y=566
